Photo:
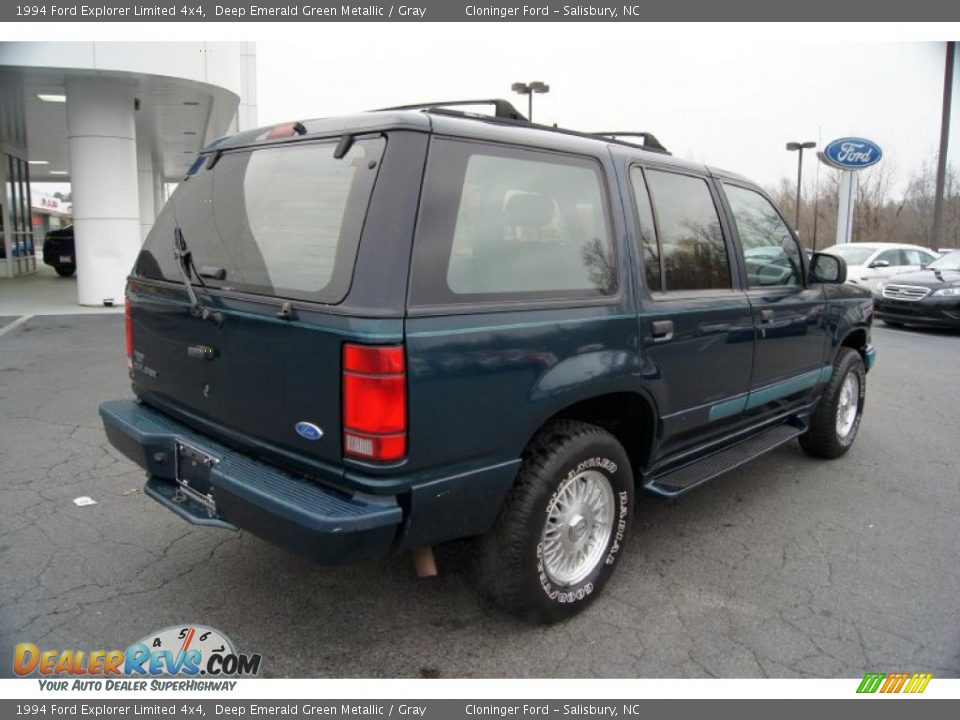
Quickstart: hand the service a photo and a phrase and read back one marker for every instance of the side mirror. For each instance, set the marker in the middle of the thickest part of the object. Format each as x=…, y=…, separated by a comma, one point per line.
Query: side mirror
x=828, y=269
x=880, y=264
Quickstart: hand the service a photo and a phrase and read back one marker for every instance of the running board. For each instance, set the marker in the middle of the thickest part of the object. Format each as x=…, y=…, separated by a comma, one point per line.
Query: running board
x=682, y=479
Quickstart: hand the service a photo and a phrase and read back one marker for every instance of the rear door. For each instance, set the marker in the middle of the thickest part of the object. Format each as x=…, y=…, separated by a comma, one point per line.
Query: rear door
x=787, y=311
x=695, y=322
x=266, y=227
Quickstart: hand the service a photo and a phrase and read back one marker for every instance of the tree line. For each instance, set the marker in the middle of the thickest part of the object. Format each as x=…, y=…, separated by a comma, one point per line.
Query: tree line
x=878, y=215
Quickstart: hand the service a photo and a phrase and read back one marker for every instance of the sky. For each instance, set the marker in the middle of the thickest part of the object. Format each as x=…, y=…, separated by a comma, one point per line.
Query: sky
x=730, y=101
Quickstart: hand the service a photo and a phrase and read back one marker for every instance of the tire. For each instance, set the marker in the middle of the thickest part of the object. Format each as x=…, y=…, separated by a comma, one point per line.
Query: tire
x=65, y=270
x=828, y=437
x=518, y=565
x=891, y=323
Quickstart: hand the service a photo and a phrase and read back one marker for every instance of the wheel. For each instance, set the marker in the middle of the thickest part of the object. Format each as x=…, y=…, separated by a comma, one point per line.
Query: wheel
x=835, y=422
x=893, y=324
x=65, y=270
x=562, y=530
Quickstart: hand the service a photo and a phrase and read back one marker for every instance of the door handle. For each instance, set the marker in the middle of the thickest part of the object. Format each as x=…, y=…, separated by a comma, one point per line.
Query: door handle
x=662, y=330
x=766, y=316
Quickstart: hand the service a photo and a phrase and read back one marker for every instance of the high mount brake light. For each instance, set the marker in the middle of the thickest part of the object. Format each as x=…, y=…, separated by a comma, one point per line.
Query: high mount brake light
x=374, y=402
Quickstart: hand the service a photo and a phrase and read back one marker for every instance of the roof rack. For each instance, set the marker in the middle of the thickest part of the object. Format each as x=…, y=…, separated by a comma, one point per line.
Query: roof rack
x=649, y=139
x=501, y=108
x=507, y=114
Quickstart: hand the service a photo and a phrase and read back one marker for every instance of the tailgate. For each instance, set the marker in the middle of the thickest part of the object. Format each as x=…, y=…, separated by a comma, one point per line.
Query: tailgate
x=262, y=228
x=262, y=381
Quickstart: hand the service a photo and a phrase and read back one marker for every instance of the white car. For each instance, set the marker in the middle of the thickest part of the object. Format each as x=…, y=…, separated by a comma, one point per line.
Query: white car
x=870, y=263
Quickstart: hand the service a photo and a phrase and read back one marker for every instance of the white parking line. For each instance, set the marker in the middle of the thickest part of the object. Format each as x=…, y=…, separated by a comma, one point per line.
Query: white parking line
x=15, y=324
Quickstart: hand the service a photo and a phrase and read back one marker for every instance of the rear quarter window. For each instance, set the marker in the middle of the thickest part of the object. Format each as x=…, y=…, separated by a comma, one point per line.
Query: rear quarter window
x=500, y=223
x=282, y=221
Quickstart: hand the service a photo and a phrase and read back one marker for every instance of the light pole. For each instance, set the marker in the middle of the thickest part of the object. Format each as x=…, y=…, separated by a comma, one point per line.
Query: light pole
x=801, y=146
x=529, y=89
x=944, y=138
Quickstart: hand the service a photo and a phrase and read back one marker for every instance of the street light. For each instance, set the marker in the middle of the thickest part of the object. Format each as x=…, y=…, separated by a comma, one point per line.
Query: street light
x=801, y=147
x=529, y=89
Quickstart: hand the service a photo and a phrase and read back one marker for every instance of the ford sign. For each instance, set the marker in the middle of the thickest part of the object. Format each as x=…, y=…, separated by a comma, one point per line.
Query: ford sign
x=308, y=431
x=852, y=153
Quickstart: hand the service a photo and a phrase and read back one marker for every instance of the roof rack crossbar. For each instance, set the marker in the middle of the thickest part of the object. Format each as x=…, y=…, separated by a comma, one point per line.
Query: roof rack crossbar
x=649, y=139
x=501, y=108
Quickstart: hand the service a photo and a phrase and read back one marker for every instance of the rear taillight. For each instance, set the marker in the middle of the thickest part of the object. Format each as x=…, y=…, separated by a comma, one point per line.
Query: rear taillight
x=374, y=402
x=128, y=332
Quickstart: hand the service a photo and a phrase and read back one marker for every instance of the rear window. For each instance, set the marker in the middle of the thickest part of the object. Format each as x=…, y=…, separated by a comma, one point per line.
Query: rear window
x=500, y=223
x=282, y=221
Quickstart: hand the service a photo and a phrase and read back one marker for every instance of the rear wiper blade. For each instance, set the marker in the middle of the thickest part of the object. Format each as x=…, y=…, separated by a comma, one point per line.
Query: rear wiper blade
x=184, y=258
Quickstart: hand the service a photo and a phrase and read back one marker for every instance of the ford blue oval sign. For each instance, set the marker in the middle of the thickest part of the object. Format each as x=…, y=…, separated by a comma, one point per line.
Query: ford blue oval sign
x=308, y=431
x=852, y=153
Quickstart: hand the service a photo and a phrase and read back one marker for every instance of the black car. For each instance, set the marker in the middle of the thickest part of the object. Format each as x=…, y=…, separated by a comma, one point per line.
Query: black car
x=371, y=334
x=929, y=297
x=59, y=251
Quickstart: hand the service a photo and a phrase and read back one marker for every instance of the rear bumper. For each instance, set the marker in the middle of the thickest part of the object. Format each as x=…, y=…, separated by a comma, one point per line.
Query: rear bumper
x=325, y=525
x=52, y=252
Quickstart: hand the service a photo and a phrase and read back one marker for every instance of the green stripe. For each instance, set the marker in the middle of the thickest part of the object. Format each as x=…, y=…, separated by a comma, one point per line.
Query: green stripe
x=734, y=406
x=755, y=398
x=871, y=682
x=783, y=389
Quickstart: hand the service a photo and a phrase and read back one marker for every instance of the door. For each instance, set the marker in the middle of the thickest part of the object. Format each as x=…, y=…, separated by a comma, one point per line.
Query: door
x=696, y=325
x=787, y=313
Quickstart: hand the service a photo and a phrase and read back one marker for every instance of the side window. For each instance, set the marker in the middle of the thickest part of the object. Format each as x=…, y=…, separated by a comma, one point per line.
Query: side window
x=692, y=250
x=499, y=223
x=917, y=257
x=648, y=235
x=893, y=257
x=769, y=251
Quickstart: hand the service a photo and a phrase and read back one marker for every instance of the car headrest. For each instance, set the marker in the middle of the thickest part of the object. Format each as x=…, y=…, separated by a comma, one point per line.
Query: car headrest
x=528, y=210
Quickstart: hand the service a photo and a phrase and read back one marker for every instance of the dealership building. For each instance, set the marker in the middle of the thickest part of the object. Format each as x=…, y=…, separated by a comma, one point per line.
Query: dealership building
x=119, y=122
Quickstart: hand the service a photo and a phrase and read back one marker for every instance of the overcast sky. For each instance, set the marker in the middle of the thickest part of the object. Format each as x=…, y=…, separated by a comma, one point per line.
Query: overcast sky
x=730, y=103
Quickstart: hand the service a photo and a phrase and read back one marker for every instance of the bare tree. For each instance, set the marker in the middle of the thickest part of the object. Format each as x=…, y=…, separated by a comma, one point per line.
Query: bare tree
x=878, y=215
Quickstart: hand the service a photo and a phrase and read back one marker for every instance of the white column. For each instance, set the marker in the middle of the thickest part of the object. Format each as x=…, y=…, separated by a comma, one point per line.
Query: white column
x=159, y=198
x=848, y=198
x=103, y=175
x=148, y=211
x=247, y=110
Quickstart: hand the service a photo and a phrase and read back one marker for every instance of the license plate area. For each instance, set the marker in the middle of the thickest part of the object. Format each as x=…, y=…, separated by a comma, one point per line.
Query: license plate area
x=193, y=476
x=66, y=258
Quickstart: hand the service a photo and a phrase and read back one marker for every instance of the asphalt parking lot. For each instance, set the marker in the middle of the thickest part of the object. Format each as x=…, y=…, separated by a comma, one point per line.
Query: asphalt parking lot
x=790, y=567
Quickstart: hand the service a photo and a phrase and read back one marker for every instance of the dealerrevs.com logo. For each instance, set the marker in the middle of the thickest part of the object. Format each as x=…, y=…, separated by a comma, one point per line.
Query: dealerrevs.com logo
x=181, y=651
x=888, y=683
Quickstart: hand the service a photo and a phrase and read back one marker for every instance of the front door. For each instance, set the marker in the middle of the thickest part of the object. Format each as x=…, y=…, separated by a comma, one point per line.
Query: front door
x=788, y=359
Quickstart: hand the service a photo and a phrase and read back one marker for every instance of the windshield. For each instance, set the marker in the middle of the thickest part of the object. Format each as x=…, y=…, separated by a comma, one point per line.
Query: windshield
x=282, y=221
x=852, y=254
x=950, y=261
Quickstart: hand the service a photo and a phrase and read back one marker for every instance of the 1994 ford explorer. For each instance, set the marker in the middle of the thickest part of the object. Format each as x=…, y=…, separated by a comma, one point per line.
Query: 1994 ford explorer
x=377, y=333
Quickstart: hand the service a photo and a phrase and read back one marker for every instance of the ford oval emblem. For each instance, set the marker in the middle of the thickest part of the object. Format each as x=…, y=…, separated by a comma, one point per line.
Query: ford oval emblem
x=852, y=153
x=308, y=431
